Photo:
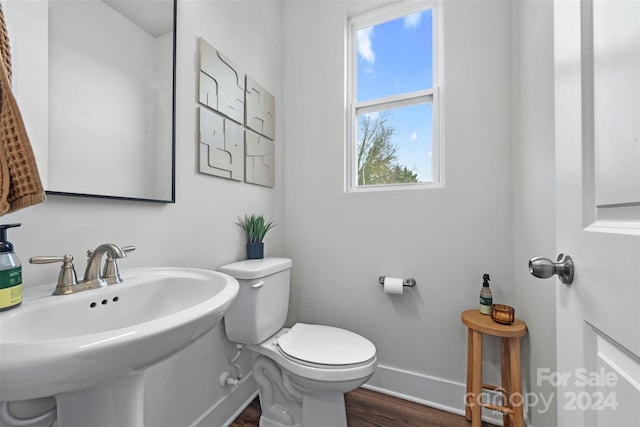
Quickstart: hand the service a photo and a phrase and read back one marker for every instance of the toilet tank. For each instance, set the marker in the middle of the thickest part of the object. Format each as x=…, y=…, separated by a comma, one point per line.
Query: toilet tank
x=261, y=307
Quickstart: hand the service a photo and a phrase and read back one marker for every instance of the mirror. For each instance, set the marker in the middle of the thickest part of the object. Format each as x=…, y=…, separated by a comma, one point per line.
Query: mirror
x=111, y=87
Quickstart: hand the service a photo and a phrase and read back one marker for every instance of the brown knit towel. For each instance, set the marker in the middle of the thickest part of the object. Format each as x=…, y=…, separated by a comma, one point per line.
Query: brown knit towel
x=20, y=184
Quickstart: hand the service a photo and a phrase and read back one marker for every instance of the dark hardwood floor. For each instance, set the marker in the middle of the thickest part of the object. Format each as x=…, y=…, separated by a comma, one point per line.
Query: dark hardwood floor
x=366, y=408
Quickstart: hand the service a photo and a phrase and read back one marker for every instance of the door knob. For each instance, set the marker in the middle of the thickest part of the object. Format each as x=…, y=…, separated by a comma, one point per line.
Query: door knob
x=545, y=268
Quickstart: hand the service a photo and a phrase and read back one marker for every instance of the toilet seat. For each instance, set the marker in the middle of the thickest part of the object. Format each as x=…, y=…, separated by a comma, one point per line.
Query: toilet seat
x=325, y=345
x=314, y=371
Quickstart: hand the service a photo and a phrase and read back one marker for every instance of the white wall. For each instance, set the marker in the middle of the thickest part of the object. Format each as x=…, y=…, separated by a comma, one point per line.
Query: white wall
x=496, y=211
x=534, y=193
x=445, y=239
x=198, y=230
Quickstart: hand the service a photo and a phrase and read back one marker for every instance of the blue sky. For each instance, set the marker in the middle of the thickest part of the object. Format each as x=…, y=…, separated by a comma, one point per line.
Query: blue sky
x=393, y=58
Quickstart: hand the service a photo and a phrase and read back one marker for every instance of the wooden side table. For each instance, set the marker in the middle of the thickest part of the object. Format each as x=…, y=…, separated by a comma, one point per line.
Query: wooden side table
x=511, y=389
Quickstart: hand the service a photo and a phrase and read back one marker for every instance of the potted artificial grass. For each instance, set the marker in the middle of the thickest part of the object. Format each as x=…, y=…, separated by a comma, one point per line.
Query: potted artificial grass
x=255, y=228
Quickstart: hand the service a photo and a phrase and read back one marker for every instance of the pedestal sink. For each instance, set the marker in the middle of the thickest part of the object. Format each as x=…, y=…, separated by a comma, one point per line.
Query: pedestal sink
x=90, y=349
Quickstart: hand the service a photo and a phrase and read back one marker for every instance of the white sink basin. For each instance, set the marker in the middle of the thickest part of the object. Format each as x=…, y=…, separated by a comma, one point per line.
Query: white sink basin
x=52, y=345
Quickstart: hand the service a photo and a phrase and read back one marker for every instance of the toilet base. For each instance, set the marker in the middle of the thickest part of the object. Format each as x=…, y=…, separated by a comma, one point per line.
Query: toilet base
x=287, y=404
x=323, y=411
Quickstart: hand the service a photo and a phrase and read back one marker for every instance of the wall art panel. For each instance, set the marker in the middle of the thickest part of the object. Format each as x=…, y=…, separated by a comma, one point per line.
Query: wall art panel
x=260, y=107
x=221, y=146
x=259, y=159
x=221, y=85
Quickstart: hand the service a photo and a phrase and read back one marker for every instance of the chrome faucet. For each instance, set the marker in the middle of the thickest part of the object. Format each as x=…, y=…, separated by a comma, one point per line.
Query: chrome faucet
x=92, y=276
x=67, y=280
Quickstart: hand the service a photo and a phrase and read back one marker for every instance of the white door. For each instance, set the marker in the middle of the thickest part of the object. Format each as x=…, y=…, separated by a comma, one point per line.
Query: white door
x=597, y=102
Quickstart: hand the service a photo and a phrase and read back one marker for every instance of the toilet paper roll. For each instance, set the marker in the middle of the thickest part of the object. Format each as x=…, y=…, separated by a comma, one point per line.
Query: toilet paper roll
x=393, y=285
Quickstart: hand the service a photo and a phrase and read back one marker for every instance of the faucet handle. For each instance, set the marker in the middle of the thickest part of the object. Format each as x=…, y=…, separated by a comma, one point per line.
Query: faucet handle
x=67, y=278
x=127, y=249
x=110, y=272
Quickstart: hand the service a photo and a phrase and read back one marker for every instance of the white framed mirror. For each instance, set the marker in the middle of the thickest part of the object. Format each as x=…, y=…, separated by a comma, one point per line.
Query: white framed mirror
x=95, y=80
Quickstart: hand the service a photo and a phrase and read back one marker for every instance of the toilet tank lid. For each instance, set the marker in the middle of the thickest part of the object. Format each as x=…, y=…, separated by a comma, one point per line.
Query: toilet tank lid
x=256, y=268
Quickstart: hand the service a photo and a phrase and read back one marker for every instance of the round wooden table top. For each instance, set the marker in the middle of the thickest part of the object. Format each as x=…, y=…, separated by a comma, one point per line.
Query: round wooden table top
x=477, y=321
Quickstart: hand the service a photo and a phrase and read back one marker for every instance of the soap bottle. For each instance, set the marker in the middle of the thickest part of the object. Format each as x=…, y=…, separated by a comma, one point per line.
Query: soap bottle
x=486, y=298
x=10, y=272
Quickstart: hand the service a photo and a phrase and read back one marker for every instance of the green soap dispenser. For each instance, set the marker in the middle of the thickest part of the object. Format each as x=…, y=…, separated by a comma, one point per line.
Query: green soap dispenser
x=10, y=272
x=486, y=298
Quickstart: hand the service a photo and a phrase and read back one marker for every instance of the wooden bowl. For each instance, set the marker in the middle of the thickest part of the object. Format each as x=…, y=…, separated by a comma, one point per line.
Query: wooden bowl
x=503, y=314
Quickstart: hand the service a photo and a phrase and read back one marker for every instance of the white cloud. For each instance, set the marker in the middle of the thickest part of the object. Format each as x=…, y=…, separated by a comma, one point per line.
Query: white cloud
x=365, y=50
x=413, y=20
x=372, y=116
x=413, y=136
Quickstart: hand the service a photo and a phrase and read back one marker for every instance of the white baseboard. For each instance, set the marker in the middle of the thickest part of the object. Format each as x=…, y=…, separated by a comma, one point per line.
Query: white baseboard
x=224, y=411
x=430, y=391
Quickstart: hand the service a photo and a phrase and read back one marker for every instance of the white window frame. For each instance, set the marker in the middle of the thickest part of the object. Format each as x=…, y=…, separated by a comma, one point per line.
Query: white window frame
x=434, y=95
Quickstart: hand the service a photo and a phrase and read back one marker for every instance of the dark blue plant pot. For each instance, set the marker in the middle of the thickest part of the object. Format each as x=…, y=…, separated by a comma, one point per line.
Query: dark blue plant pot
x=255, y=250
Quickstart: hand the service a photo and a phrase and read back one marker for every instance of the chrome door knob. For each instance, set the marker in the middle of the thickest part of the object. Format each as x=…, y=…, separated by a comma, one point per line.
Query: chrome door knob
x=545, y=268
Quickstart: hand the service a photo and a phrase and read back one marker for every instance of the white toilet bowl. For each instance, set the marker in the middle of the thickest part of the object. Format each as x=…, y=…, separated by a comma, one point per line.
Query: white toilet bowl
x=303, y=373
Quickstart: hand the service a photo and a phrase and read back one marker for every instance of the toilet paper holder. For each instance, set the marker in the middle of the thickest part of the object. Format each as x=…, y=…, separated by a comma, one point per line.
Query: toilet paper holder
x=406, y=282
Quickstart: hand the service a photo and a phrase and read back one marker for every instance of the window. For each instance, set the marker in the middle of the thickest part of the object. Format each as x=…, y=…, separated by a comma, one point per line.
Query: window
x=394, y=95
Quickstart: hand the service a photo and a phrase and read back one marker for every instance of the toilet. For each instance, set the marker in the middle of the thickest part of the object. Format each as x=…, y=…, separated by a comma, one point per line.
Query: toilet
x=302, y=372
